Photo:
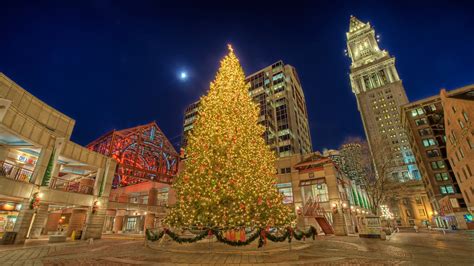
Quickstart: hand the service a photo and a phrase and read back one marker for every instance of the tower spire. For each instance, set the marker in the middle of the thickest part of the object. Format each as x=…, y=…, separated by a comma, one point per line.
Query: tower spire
x=355, y=24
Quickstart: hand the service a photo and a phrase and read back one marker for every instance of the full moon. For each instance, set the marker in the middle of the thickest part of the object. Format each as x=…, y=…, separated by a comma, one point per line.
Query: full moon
x=183, y=75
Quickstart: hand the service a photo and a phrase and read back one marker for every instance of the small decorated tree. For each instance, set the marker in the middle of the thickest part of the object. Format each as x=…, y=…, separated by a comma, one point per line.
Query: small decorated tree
x=229, y=176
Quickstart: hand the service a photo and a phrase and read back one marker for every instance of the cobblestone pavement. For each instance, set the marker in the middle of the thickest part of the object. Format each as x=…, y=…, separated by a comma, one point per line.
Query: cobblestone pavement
x=404, y=248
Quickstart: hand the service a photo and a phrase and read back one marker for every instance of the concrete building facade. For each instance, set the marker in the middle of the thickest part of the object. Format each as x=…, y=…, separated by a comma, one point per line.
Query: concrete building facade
x=48, y=184
x=320, y=193
x=278, y=91
x=379, y=93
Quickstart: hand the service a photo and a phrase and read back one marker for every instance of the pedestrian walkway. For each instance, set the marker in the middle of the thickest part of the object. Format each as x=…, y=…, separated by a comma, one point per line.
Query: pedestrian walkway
x=424, y=248
x=41, y=242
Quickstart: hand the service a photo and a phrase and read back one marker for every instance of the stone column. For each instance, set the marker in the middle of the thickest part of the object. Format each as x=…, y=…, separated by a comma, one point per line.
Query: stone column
x=152, y=197
x=23, y=222
x=43, y=161
x=40, y=221
x=41, y=165
x=77, y=220
x=364, y=88
x=149, y=221
x=338, y=224
x=388, y=74
x=3, y=153
x=395, y=73
x=95, y=221
x=118, y=224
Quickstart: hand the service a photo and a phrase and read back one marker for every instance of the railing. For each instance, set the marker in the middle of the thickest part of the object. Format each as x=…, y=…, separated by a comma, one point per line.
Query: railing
x=73, y=185
x=15, y=172
x=127, y=200
x=312, y=207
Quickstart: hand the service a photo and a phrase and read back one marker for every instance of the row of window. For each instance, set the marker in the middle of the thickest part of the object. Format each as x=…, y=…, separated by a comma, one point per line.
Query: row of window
x=375, y=80
x=464, y=113
x=467, y=173
x=417, y=112
x=452, y=136
x=421, y=111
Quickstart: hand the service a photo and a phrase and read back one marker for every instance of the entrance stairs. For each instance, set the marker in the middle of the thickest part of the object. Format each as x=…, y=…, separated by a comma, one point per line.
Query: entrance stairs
x=313, y=208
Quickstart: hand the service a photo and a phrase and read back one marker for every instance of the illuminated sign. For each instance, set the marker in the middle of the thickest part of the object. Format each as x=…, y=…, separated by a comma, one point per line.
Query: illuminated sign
x=25, y=159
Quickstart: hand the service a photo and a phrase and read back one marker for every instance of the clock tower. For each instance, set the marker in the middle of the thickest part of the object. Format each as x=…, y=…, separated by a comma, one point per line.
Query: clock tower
x=379, y=93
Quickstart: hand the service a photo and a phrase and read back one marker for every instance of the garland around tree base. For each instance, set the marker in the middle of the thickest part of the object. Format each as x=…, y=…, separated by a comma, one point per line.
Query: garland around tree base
x=262, y=234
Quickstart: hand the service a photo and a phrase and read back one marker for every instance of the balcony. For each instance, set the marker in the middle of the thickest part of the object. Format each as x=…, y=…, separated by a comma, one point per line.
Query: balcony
x=76, y=185
x=15, y=172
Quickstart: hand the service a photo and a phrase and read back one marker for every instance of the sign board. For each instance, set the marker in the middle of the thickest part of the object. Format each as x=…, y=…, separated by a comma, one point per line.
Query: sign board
x=369, y=226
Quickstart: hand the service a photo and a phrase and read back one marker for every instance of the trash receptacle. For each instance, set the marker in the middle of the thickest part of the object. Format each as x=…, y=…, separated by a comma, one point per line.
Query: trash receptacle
x=78, y=235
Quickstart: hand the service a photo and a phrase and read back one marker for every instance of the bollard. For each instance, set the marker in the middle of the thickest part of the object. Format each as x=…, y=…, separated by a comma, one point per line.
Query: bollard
x=73, y=235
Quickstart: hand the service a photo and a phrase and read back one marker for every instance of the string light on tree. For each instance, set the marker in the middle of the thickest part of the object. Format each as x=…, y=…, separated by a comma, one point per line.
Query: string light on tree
x=228, y=180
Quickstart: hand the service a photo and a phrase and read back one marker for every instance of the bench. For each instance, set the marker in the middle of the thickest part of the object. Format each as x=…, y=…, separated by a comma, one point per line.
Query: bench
x=57, y=239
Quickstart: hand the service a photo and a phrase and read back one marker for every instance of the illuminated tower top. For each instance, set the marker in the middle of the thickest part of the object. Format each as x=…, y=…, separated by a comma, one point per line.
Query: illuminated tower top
x=362, y=43
x=371, y=67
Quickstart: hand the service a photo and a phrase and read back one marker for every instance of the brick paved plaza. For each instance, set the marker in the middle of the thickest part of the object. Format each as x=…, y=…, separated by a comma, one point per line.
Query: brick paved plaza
x=425, y=248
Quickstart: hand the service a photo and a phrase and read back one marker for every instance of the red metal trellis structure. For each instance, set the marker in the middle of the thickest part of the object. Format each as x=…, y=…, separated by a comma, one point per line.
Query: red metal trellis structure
x=143, y=154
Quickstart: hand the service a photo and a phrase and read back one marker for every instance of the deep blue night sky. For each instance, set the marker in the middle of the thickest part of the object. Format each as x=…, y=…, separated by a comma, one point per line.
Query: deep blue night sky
x=113, y=64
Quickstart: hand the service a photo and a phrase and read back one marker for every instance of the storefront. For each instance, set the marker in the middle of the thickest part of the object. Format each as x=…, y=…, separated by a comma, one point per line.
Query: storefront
x=8, y=216
x=19, y=164
x=316, y=189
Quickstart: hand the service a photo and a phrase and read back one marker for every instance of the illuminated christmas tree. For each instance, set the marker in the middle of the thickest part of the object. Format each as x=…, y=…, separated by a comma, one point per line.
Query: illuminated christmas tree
x=229, y=176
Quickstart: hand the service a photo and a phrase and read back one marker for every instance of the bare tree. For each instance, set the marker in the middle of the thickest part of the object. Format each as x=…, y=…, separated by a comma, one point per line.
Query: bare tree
x=375, y=174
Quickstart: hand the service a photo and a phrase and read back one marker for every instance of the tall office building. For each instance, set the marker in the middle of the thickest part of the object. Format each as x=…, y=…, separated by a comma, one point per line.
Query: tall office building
x=277, y=90
x=379, y=93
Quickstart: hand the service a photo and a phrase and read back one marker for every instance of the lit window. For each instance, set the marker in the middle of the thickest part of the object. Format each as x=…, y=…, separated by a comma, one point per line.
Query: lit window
x=437, y=165
x=454, y=135
x=443, y=189
x=470, y=144
x=442, y=176
x=448, y=189
x=421, y=121
x=429, y=142
x=287, y=192
x=465, y=116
